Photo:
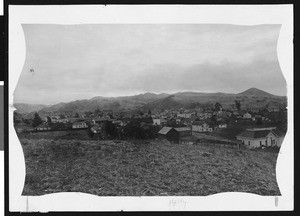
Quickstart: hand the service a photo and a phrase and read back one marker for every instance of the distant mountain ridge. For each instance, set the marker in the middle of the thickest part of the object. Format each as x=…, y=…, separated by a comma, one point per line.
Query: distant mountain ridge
x=27, y=108
x=150, y=101
x=256, y=92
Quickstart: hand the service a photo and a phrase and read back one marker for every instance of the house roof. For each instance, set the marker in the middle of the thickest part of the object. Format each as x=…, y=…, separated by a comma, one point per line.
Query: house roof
x=255, y=134
x=198, y=123
x=78, y=123
x=96, y=127
x=165, y=130
x=203, y=122
x=43, y=125
x=100, y=119
x=146, y=120
x=279, y=132
x=183, y=129
x=74, y=119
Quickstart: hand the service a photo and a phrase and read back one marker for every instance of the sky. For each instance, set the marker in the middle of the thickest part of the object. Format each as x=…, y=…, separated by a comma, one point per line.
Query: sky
x=73, y=62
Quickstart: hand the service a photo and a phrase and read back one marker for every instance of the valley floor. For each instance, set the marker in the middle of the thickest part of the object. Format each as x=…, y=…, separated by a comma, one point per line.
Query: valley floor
x=144, y=168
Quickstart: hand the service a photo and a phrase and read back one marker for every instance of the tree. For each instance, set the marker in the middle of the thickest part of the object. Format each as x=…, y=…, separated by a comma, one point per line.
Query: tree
x=259, y=121
x=90, y=132
x=149, y=112
x=58, y=126
x=49, y=120
x=88, y=113
x=26, y=121
x=237, y=105
x=111, y=130
x=76, y=115
x=97, y=112
x=36, y=120
x=213, y=119
x=133, y=130
x=218, y=107
x=17, y=118
x=62, y=116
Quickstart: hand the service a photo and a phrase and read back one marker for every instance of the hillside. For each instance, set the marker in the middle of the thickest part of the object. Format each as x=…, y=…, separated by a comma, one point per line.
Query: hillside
x=256, y=93
x=164, y=103
x=145, y=168
x=27, y=108
x=106, y=103
x=251, y=98
x=149, y=101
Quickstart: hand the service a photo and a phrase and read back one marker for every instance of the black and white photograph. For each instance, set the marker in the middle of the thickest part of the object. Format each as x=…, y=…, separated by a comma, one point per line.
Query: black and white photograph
x=150, y=109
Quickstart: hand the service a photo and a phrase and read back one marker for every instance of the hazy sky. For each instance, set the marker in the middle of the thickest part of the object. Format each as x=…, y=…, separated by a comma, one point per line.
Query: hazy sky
x=73, y=62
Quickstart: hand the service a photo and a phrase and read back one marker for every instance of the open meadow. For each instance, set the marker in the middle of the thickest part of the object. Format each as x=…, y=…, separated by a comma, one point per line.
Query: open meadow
x=144, y=168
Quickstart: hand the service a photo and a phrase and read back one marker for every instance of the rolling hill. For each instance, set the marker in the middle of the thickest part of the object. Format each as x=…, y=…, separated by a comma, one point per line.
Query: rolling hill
x=251, y=98
x=27, y=108
x=256, y=93
x=149, y=101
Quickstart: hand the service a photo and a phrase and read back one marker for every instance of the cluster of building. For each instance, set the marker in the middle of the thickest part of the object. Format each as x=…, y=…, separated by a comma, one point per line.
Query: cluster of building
x=175, y=125
x=250, y=138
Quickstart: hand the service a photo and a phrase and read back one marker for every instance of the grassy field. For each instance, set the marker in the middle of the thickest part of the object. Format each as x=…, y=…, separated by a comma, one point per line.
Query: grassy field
x=148, y=168
x=57, y=135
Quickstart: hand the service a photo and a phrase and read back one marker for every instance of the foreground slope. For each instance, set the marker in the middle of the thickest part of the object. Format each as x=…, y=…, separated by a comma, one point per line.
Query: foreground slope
x=145, y=168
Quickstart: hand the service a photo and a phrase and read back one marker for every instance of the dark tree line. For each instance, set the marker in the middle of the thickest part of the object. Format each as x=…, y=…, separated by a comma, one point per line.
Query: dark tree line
x=237, y=105
x=36, y=120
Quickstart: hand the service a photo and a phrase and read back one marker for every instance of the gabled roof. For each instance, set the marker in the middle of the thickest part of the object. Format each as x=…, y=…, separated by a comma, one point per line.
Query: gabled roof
x=100, y=119
x=198, y=122
x=79, y=123
x=74, y=119
x=255, y=134
x=203, y=122
x=279, y=132
x=165, y=130
x=43, y=125
x=163, y=120
x=96, y=127
x=183, y=129
x=143, y=119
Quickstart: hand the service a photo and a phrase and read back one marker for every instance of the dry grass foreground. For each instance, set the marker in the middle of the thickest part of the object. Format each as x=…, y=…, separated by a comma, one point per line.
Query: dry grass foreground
x=144, y=168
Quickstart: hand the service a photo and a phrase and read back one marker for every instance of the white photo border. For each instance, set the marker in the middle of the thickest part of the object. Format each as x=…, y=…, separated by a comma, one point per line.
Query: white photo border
x=196, y=14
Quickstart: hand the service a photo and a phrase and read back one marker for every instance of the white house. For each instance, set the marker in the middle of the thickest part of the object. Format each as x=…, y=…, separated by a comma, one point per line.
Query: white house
x=247, y=116
x=178, y=120
x=185, y=115
x=62, y=120
x=201, y=127
x=156, y=121
x=54, y=119
x=77, y=125
x=96, y=129
x=254, y=138
x=273, y=109
x=222, y=125
x=159, y=121
x=43, y=127
x=23, y=127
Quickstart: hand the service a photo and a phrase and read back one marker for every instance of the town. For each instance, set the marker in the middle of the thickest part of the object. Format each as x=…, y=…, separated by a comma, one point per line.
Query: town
x=238, y=127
